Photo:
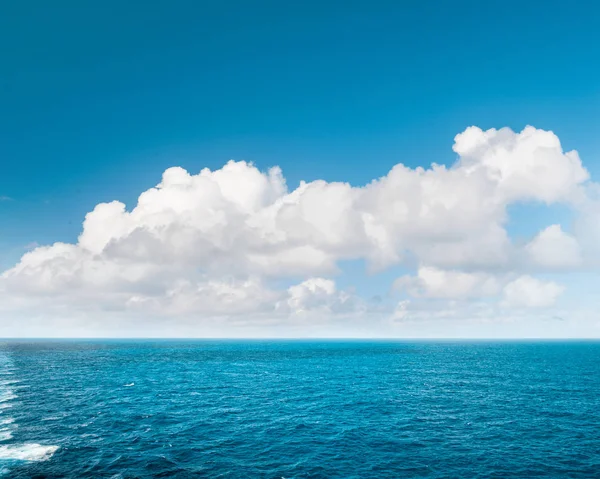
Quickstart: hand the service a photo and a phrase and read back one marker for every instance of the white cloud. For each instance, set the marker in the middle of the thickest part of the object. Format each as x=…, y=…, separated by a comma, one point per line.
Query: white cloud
x=209, y=297
x=529, y=292
x=587, y=226
x=319, y=295
x=436, y=283
x=310, y=293
x=215, y=243
x=553, y=248
x=525, y=165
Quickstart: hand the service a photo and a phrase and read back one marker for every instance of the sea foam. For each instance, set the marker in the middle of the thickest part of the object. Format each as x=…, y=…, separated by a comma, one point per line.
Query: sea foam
x=27, y=452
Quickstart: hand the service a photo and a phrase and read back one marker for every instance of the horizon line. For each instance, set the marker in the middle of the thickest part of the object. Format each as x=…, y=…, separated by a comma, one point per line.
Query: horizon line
x=364, y=339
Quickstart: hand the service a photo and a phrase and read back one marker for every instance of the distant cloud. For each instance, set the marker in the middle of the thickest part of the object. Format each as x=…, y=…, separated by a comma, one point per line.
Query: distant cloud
x=553, y=248
x=556, y=318
x=213, y=245
x=530, y=292
x=6, y=198
x=436, y=283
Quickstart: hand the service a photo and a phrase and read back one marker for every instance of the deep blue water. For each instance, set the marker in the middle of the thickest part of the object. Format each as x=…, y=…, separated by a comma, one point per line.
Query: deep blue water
x=299, y=409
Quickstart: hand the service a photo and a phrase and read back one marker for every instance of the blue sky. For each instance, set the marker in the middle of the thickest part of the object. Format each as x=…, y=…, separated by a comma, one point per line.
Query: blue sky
x=99, y=98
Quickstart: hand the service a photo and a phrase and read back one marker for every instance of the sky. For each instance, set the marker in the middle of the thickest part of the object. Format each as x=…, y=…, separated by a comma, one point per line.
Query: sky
x=299, y=169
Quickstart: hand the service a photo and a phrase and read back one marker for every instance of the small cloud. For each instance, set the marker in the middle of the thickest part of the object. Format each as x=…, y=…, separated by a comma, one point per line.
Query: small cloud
x=555, y=318
x=6, y=198
x=31, y=246
x=530, y=292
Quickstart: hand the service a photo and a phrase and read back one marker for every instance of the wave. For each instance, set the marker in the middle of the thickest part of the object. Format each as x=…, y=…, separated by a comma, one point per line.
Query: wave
x=52, y=418
x=21, y=452
x=7, y=382
x=7, y=396
x=27, y=452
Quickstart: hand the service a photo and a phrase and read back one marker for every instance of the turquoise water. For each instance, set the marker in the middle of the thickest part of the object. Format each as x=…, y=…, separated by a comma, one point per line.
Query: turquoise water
x=299, y=409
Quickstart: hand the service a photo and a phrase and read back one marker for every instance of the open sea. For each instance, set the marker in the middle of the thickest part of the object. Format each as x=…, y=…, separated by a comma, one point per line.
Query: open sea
x=299, y=409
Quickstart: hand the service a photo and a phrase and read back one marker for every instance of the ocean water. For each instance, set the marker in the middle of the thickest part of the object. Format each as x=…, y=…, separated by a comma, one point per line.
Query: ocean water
x=296, y=409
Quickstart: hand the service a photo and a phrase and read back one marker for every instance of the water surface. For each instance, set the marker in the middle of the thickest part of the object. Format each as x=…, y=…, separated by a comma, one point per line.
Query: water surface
x=127, y=409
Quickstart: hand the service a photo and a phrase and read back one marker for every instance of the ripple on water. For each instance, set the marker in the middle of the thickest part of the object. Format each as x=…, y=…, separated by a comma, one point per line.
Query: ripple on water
x=300, y=409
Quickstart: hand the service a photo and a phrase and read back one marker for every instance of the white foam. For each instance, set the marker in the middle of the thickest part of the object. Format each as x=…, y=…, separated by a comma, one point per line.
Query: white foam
x=15, y=452
x=7, y=382
x=52, y=418
x=27, y=452
x=129, y=385
x=7, y=396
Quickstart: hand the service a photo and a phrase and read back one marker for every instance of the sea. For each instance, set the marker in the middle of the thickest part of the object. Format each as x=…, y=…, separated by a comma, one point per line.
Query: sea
x=299, y=409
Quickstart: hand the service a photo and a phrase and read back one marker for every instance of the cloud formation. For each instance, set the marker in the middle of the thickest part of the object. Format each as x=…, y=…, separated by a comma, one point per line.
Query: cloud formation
x=526, y=291
x=220, y=243
x=431, y=282
x=554, y=249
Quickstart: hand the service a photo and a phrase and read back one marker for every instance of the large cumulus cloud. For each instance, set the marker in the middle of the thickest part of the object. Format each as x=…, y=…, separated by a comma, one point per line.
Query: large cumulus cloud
x=220, y=243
